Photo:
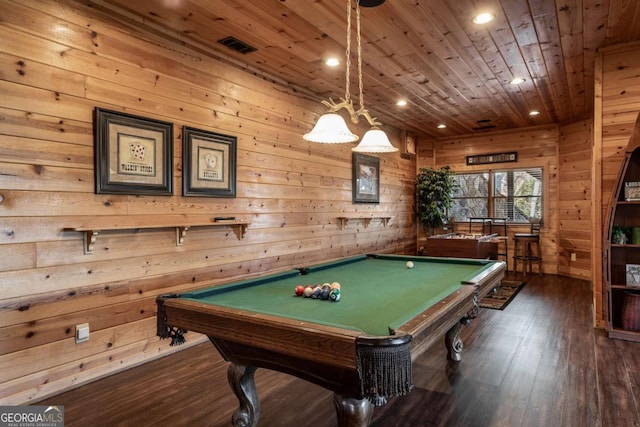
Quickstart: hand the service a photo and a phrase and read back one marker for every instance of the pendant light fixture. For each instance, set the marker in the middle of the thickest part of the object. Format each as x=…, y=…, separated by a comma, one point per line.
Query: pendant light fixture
x=331, y=127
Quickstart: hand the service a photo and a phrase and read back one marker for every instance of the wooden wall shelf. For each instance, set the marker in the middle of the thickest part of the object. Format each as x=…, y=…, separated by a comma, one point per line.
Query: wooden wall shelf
x=344, y=220
x=90, y=234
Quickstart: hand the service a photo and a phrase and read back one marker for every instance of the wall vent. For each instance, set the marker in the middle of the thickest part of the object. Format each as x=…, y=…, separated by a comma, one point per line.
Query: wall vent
x=237, y=45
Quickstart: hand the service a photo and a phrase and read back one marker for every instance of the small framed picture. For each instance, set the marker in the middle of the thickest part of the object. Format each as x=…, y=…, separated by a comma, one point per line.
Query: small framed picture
x=632, y=191
x=133, y=155
x=633, y=275
x=209, y=163
x=366, y=179
x=409, y=142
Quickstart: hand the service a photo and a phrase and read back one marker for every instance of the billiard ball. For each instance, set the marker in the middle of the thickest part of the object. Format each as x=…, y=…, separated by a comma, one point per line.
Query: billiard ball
x=409, y=264
x=308, y=291
x=324, y=294
x=334, y=295
x=335, y=285
x=299, y=290
x=316, y=292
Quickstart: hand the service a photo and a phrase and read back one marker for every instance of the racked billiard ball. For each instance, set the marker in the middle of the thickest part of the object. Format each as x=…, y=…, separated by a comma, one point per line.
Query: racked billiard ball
x=334, y=295
x=316, y=292
x=308, y=291
x=299, y=290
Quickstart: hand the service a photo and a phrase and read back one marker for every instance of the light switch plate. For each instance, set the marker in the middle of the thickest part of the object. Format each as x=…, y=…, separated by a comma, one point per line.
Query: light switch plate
x=82, y=333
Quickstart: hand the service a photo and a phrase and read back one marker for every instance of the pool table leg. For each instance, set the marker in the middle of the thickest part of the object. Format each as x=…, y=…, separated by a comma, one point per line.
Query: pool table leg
x=241, y=379
x=453, y=342
x=353, y=412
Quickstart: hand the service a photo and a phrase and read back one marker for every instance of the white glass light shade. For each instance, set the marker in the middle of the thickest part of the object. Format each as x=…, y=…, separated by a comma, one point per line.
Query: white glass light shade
x=330, y=129
x=375, y=141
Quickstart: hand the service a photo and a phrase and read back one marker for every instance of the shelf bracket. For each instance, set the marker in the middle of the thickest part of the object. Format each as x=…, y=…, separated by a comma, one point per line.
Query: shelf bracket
x=89, y=239
x=181, y=232
x=240, y=229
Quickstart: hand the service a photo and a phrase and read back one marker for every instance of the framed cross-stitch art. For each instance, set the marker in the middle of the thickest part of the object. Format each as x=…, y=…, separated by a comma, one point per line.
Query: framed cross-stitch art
x=133, y=154
x=209, y=163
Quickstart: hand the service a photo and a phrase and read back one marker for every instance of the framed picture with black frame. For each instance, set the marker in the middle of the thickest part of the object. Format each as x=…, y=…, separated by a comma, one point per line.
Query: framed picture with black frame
x=133, y=154
x=209, y=163
x=366, y=179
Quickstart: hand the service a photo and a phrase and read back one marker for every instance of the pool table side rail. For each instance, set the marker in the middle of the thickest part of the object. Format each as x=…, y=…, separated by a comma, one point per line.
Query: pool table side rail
x=433, y=323
x=440, y=260
x=246, y=283
x=327, y=344
x=489, y=275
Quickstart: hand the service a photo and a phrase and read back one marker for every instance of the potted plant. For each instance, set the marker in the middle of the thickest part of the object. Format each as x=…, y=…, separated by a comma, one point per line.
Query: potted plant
x=434, y=191
x=620, y=235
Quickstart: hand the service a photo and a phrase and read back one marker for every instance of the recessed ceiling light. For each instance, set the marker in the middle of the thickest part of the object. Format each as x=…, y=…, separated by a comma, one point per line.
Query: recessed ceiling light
x=516, y=81
x=483, y=18
x=534, y=113
x=442, y=126
x=332, y=62
x=401, y=103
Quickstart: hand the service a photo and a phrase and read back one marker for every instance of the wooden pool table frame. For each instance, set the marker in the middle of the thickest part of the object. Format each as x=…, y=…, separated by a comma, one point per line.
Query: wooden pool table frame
x=323, y=355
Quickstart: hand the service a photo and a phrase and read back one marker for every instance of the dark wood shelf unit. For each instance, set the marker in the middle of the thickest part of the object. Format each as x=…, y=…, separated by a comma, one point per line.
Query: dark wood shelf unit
x=622, y=212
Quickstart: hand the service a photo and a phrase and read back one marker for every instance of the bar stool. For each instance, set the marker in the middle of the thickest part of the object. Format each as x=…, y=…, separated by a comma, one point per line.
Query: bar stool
x=499, y=226
x=527, y=249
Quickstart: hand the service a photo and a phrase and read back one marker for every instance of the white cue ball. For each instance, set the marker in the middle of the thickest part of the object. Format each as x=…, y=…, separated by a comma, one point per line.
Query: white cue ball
x=409, y=264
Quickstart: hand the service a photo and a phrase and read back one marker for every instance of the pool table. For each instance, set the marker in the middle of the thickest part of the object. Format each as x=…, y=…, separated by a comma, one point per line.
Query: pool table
x=360, y=347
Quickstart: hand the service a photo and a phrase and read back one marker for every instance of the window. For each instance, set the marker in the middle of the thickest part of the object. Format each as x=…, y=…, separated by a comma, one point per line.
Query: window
x=515, y=194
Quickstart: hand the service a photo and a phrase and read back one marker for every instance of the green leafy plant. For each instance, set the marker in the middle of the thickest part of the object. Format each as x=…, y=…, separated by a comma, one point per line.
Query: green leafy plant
x=620, y=234
x=434, y=191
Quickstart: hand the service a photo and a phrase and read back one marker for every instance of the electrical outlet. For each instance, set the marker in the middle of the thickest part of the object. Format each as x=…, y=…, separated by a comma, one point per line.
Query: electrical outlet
x=82, y=333
x=573, y=256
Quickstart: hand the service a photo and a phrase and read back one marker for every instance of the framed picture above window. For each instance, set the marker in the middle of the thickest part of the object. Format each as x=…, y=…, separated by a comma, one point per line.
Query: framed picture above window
x=209, y=163
x=133, y=155
x=366, y=179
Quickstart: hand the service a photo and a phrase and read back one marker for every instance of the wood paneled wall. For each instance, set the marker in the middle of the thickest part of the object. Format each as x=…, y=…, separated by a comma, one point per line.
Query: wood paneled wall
x=617, y=104
x=536, y=147
x=60, y=60
x=574, y=200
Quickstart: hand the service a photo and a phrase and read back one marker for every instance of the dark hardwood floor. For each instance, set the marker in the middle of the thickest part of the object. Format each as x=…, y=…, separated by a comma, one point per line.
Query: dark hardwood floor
x=539, y=362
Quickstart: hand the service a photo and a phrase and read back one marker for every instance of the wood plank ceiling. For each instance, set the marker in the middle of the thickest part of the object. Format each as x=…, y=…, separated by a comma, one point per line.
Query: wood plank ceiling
x=428, y=52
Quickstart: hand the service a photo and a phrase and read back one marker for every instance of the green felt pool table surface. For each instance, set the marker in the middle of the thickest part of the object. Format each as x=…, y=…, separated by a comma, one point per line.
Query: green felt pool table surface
x=377, y=293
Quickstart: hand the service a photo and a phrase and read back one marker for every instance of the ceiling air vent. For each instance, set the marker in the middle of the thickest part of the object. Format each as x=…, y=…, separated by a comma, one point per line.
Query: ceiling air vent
x=488, y=127
x=484, y=125
x=237, y=45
